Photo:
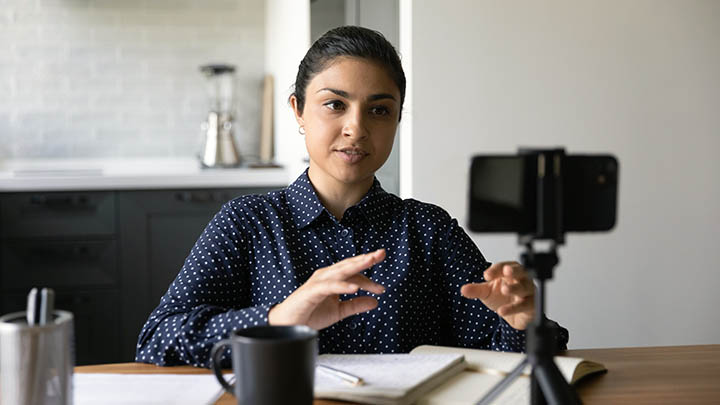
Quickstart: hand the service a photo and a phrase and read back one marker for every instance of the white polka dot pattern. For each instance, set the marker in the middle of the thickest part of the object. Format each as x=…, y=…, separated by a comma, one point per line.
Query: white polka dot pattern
x=258, y=249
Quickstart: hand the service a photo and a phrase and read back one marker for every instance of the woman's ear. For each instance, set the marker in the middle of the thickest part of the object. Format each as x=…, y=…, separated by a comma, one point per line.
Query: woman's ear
x=298, y=114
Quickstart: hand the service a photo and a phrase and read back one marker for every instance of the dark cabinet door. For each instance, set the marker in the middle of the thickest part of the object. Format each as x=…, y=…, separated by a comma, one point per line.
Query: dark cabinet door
x=57, y=214
x=158, y=229
x=170, y=237
x=65, y=263
x=96, y=322
x=65, y=241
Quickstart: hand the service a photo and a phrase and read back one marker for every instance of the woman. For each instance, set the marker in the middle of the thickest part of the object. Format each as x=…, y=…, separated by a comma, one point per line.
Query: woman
x=334, y=251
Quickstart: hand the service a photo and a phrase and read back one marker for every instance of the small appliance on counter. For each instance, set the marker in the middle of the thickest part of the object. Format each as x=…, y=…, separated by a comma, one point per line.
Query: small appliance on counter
x=219, y=144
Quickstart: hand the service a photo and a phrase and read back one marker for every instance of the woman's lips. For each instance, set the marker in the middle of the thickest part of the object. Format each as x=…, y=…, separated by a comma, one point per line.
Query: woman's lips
x=351, y=155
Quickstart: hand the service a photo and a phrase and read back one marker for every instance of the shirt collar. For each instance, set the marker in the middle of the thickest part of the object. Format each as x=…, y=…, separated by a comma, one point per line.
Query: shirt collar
x=303, y=201
x=306, y=206
x=373, y=206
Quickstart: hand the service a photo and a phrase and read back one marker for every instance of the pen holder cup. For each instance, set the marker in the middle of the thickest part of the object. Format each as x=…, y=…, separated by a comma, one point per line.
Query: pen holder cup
x=36, y=362
x=273, y=365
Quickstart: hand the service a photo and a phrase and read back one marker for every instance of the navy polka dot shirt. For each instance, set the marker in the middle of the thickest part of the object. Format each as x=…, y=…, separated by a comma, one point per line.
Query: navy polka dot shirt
x=260, y=248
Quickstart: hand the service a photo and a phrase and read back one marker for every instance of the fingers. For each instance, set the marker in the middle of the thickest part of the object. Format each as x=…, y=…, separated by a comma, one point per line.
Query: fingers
x=476, y=290
x=367, y=284
x=338, y=287
x=521, y=305
x=349, y=269
x=523, y=288
x=342, y=278
x=513, y=278
x=314, y=293
x=354, y=265
x=505, y=269
x=356, y=306
x=316, y=302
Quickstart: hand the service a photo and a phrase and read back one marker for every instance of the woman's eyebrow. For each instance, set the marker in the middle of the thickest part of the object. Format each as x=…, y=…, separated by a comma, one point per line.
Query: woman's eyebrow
x=381, y=96
x=345, y=94
x=340, y=93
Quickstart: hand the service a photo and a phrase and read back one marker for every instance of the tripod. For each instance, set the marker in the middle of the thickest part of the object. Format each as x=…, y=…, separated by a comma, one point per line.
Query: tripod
x=547, y=384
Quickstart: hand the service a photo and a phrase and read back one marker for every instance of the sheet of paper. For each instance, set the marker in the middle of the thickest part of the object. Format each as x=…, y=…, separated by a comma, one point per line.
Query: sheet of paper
x=502, y=362
x=386, y=375
x=469, y=387
x=145, y=389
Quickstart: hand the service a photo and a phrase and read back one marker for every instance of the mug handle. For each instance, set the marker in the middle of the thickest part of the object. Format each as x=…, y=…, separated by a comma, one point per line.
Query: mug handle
x=215, y=364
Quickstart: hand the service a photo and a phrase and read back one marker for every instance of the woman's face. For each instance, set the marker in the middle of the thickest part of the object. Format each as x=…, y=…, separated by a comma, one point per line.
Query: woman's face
x=350, y=117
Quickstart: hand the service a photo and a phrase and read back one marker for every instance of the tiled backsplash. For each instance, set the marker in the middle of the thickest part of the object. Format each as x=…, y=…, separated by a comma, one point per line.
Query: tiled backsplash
x=120, y=78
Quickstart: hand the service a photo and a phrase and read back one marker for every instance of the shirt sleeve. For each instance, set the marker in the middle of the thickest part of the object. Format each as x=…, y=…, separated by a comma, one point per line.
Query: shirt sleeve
x=209, y=298
x=472, y=324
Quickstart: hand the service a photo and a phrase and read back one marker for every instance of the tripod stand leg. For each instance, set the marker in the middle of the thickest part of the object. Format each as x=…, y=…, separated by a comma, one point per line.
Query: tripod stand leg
x=504, y=383
x=553, y=389
x=536, y=395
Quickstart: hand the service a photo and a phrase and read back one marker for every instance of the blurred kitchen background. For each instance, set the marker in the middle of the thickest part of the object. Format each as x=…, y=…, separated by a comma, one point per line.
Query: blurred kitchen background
x=101, y=101
x=120, y=79
x=103, y=78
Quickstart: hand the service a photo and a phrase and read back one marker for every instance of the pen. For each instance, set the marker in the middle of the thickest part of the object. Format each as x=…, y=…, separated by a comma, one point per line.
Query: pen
x=354, y=380
x=33, y=307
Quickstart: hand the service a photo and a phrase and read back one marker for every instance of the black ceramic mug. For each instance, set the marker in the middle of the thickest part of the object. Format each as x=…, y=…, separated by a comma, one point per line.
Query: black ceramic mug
x=273, y=365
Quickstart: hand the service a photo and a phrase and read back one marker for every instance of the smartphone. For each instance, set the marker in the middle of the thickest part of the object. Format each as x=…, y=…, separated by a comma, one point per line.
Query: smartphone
x=503, y=193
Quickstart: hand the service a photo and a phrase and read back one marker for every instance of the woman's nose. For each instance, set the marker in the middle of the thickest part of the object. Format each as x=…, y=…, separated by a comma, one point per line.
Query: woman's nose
x=354, y=127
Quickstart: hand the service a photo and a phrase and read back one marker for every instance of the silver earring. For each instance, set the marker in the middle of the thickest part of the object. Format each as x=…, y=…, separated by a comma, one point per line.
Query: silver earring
x=301, y=130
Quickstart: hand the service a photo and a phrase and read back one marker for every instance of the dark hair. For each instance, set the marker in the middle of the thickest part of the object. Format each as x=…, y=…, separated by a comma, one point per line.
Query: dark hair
x=348, y=41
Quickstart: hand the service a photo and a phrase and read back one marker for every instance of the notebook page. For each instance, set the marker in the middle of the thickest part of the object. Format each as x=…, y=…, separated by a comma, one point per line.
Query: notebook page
x=499, y=362
x=469, y=387
x=384, y=375
x=145, y=389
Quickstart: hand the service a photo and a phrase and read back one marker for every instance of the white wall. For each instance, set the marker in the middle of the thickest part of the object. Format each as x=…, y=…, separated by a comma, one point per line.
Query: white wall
x=383, y=16
x=287, y=39
x=639, y=79
x=104, y=78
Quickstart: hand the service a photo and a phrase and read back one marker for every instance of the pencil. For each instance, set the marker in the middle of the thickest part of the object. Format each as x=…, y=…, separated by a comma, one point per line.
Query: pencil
x=354, y=380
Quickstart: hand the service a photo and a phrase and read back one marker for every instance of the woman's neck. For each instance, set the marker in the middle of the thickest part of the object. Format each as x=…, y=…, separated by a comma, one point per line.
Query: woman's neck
x=337, y=196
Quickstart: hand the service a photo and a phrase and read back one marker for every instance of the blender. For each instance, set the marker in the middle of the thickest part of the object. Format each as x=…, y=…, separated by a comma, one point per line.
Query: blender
x=219, y=144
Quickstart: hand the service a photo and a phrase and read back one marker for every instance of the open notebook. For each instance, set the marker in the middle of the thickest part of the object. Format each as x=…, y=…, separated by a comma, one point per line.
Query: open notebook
x=435, y=375
x=389, y=379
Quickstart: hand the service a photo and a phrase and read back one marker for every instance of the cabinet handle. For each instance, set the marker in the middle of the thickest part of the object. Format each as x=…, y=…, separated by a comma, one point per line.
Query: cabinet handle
x=183, y=196
x=54, y=253
x=66, y=201
x=199, y=197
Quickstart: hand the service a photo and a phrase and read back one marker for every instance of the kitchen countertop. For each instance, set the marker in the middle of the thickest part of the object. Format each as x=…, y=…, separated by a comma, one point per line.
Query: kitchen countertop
x=129, y=174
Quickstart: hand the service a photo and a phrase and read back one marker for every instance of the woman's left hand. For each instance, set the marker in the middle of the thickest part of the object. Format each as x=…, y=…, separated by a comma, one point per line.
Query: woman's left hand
x=507, y=290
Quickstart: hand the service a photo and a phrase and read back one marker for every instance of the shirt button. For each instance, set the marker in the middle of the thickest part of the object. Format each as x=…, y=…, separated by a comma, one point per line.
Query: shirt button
x=353, y=325
x=344, y=232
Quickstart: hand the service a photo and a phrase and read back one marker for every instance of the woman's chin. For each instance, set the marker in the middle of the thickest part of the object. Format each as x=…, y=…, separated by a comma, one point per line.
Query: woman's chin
x=352, y=175
x=348, y=173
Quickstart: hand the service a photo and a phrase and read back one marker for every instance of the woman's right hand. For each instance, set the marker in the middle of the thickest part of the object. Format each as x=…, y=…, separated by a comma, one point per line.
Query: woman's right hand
x=317, y=303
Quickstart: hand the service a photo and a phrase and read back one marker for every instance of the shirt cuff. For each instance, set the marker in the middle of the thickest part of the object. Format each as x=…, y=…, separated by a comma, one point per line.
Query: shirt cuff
x=253, y=316
x=513, y=340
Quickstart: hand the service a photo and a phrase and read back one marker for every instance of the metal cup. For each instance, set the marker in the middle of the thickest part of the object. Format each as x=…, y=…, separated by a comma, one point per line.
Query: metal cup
x=36, y=362
x=273, y=365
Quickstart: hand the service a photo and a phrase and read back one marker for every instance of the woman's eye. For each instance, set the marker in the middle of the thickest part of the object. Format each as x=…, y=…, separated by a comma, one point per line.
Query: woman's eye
x=335, y=105
x=380, y=110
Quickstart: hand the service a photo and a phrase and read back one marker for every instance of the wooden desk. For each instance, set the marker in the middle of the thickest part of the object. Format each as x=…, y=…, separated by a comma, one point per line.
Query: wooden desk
x=653, y=375
x=642, y=375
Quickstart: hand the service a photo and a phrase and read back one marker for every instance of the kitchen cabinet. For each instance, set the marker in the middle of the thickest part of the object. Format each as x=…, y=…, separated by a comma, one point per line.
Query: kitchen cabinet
x=96, y=320
x=158, y=229
x=109, y=255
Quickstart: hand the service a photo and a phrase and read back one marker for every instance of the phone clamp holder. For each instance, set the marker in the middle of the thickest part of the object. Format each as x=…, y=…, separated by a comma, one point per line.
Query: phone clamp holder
x=547, y=384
